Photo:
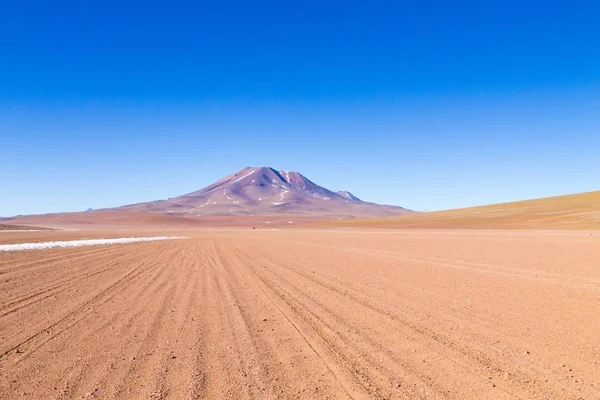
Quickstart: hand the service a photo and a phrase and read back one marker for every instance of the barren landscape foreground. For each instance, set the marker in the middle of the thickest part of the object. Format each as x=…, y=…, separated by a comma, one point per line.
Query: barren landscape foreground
x=264, y=314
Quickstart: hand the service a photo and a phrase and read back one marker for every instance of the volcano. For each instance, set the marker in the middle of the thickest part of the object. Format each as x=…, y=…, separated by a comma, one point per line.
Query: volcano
x=267, y=191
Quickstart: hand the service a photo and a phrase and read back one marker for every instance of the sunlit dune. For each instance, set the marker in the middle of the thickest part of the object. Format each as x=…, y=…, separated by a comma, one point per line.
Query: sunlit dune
x=575, y=211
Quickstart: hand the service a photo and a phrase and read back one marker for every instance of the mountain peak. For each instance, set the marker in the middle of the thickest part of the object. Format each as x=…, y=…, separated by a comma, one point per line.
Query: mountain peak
x=267, y=191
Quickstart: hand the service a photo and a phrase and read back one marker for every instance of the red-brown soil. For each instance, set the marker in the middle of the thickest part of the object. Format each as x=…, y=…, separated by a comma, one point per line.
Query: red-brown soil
x=122, y=219
x=311, y=314
x=9, y=227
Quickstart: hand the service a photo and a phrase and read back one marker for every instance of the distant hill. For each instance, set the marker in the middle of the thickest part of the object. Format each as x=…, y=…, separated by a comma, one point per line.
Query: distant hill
x=575, y=211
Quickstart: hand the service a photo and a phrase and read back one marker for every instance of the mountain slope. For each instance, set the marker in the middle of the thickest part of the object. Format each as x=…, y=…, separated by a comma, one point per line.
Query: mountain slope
x=348, y=195
x=266, y=191
x=575, y=211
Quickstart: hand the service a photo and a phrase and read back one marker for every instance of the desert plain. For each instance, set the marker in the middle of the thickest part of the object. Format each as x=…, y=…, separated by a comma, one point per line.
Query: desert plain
x=311, y=312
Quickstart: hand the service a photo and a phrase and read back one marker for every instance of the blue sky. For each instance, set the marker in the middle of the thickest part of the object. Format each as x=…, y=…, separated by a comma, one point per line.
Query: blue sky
x=428, y=105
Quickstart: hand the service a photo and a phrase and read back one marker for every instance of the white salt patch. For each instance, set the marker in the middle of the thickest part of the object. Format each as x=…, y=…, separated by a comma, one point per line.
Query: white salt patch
x=79, y=243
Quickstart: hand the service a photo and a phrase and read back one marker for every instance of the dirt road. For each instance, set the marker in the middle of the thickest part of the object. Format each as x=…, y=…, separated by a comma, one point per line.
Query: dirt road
x=306, y=314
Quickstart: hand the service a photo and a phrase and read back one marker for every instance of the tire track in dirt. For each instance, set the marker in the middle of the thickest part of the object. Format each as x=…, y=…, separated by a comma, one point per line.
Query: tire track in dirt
x=477, y=361
x=73, y=317
x=363, y=358
x=342, y=375
x=240, y=273
x=297, y=315
x=62, y=282
x=504, y=270
x=240, y=368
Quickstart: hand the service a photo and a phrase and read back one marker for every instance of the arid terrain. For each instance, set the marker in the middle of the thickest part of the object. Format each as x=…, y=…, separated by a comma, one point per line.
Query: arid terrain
x=8, y=227
x=250, y=200
x=302, y=313
x=573, y=211
x=109, y=221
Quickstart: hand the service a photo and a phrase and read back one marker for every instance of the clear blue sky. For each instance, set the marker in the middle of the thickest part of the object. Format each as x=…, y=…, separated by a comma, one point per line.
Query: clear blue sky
x=428, y=105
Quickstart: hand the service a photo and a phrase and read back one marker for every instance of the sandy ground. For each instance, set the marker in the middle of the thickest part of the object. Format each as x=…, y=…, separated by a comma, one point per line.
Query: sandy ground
x=266, y=314
x=120, y=220
x=570, y=212
x=12, y=228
